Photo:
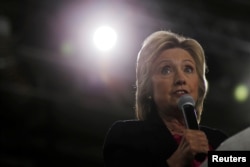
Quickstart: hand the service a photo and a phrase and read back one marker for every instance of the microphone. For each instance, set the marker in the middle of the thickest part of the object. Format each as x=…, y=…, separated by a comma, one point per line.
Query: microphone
x=186, y=105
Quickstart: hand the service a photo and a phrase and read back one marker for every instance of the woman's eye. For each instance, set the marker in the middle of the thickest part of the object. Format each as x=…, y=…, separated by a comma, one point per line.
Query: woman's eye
x=166, y=70
x=189, y=69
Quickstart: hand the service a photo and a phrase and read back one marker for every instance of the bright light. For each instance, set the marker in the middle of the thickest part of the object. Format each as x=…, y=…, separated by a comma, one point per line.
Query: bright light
x=105, y=38
x=241, y=93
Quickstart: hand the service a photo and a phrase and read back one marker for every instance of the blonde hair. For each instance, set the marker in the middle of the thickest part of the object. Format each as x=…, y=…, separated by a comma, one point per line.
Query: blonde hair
x=151, y=48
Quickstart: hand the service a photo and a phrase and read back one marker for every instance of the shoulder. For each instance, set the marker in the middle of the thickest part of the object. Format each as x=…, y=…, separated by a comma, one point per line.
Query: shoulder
x=134, y=133
x=133, y=143
x=126, y=128
x=215, y=136
x=213, y=131
x=136, y=127
x=125, y=134
x=127, y=123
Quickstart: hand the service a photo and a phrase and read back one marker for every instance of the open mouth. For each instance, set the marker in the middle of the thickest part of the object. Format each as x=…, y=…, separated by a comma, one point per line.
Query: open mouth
x=181, y=92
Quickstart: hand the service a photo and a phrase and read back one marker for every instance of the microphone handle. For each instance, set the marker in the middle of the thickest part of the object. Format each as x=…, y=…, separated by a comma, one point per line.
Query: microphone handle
x=190, y=117
x=191, y=122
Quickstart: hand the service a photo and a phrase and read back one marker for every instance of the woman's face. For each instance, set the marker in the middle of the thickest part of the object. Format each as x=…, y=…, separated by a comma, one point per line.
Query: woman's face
x=174, y=74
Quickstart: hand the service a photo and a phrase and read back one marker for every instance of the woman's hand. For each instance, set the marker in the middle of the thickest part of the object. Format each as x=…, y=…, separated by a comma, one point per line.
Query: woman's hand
x=193, y=142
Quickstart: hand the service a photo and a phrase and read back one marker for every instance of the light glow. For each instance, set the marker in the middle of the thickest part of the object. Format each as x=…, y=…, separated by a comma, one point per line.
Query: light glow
x=241, y=93
x=105, y=38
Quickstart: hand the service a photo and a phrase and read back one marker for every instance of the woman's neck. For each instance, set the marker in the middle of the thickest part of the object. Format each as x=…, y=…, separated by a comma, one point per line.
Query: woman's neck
x=176, y=125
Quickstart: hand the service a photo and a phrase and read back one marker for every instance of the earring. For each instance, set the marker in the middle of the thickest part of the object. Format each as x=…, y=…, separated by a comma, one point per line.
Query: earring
x=150, y=97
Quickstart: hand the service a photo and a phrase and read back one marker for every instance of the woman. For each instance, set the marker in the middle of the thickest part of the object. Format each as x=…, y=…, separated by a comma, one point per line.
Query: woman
x=168, y=66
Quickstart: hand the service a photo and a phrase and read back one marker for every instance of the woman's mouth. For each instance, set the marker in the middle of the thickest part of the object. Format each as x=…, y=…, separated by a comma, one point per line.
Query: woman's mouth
x=181, y=92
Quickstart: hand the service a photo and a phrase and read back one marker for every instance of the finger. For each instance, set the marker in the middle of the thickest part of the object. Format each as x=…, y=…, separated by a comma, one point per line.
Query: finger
x=197, y=136
x=196, y=141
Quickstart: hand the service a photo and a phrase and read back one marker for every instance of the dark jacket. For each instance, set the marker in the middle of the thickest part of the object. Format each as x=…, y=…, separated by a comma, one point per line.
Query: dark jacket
x=134, y=143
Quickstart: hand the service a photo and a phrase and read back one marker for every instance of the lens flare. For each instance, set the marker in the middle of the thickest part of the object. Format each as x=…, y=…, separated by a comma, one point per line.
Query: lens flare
x=241, y=93
x=105, y=38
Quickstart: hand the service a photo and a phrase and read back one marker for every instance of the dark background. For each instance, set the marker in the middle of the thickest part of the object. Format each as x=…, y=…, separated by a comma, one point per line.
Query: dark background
x=59, y=95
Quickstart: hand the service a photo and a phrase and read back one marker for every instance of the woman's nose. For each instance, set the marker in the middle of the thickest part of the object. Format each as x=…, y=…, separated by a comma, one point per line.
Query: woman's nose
x=179, y=78
x=180, y=82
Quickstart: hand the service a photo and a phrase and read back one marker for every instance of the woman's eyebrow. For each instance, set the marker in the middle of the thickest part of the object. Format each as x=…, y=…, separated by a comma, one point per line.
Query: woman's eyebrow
x=189, y=60
x=163, y=61
x=158, y=64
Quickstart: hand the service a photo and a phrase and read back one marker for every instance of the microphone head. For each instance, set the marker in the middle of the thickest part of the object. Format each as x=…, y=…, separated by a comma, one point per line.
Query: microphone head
x=185, y=100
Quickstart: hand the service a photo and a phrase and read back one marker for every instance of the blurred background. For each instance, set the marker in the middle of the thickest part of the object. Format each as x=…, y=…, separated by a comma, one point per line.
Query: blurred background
x=67, y=71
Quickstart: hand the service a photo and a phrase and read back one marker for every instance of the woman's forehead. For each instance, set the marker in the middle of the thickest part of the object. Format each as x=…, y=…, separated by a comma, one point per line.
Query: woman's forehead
x=175, y=54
